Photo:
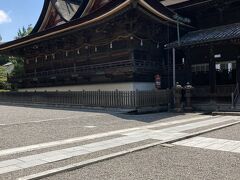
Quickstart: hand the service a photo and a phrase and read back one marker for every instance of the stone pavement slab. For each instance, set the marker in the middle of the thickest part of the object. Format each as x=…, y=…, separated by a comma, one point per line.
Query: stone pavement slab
x=128, y=138
x=211, y=144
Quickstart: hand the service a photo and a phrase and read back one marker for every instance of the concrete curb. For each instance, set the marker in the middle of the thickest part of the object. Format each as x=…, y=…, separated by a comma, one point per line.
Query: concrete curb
x=118, y=154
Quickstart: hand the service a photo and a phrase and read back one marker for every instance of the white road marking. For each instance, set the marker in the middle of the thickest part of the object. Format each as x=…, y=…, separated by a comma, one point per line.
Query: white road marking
x=200, y=124
x=63, y=154
x=51, y=119
x=94, y=136
x=90, y=127
x=211, y=144
x=53, y=156
x=39, y=121
x=133, y=136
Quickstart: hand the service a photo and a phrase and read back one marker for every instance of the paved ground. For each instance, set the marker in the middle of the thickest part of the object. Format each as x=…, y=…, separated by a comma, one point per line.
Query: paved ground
x=36, y=125
x=160, y=163
x=34, y=140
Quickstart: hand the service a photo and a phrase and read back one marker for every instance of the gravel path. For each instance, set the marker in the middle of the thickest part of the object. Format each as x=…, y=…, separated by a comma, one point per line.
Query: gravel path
x=230, y=133
x=64, y=124
x=177, y=163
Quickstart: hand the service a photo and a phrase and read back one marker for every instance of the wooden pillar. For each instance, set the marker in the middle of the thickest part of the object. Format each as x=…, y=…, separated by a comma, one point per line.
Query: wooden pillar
x=238, y=68
x=174, y=66
x=212, y=71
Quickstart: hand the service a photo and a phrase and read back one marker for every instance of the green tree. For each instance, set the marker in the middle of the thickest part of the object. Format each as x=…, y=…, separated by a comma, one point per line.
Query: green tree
x=3, y=59
x=3, y=78
x=17, y=61
x=22, y=32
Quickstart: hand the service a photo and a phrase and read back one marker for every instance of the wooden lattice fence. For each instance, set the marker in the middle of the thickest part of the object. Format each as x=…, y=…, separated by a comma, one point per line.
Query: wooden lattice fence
x=108, y=99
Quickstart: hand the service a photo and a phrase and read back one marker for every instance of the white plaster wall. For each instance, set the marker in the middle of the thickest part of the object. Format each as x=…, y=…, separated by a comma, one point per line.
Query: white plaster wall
x=9, y=67
x=143, y=86
x=130, y=86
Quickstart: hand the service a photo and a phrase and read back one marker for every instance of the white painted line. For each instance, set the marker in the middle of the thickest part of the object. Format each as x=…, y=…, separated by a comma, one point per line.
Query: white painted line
x=181, y=121
x=58, y=143
x=212, y=144
x=86, y=163
x=63, y=154
x=190, y=126
x=114, y=155
x=94, y=136
x=90, y=127
x=39, y=121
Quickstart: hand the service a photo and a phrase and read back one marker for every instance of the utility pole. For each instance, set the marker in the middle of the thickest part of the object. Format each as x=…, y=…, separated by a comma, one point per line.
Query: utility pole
x=174, y=66
x=184, y=20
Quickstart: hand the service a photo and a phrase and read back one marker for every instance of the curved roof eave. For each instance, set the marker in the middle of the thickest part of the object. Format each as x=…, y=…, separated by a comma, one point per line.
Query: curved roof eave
x=71, y=11
x=81, y=22
x=41, y=17
x=111, y=8
x=44, y=12
x=166, y=13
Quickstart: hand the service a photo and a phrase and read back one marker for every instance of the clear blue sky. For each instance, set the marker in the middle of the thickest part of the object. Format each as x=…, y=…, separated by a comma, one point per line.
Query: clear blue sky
x=15, y=14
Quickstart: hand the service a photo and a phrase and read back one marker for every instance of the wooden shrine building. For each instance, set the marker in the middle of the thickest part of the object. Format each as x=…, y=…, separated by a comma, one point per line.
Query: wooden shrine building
x=209, y=56
x=96, y=45
x=123, y=44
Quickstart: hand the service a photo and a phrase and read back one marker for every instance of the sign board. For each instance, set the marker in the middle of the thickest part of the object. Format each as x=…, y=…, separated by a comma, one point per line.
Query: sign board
x=217, y=56
x=158, y=81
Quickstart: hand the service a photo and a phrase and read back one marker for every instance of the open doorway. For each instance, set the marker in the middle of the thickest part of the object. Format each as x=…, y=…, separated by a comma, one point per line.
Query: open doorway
x=226, y=73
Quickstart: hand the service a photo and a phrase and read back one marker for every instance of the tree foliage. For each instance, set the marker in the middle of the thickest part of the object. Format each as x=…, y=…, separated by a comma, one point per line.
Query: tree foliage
x=3, y=59
x=3, y=78
x=22, y=32
x=17, y=61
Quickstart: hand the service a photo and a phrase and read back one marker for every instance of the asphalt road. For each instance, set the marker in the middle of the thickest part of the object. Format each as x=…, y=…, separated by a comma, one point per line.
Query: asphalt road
x=24, y=126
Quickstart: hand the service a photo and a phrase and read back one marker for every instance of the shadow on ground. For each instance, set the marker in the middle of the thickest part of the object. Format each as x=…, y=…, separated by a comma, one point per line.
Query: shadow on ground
x=126, y=114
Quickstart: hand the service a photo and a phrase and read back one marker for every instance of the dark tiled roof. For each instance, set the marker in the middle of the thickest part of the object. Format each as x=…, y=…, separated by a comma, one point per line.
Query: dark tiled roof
x=219, y=33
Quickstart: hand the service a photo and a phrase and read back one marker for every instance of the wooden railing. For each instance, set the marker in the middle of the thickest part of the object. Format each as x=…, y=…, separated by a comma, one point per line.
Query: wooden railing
x=107, y=99
x=80, y=69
